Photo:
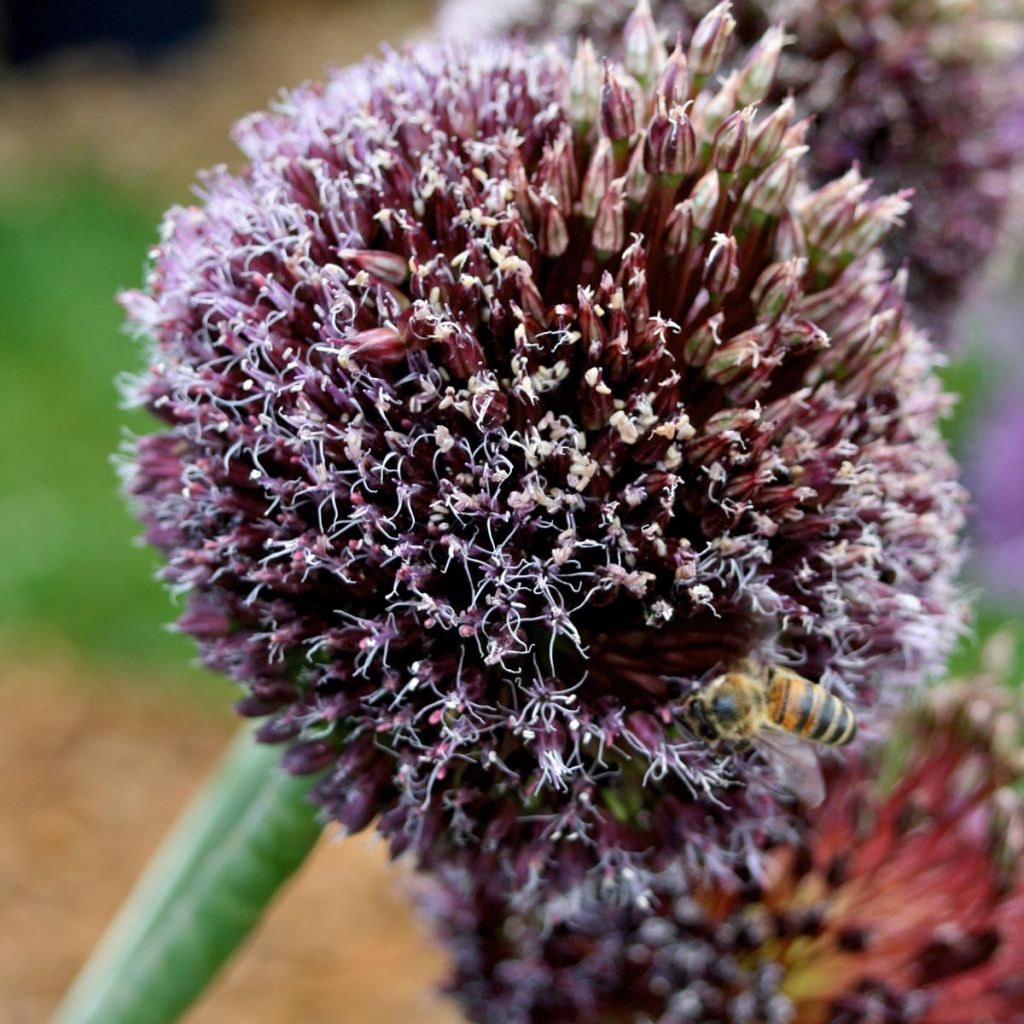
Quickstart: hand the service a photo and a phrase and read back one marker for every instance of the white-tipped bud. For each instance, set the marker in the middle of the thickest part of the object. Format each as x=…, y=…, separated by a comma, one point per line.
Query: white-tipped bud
x=643, y=50
x=710, y=39
x=585, y=80
x=759, y=69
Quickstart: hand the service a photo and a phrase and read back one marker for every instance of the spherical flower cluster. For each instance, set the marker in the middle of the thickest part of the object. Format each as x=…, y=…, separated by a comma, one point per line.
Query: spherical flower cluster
x=506, y=399
x=922, y=95
x=901, y=904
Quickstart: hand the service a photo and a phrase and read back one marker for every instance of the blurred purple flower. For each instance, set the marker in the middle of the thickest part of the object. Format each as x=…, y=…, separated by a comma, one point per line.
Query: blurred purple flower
x=902, y=904
x=922, y=94
x=996, y=470
x=507, y=397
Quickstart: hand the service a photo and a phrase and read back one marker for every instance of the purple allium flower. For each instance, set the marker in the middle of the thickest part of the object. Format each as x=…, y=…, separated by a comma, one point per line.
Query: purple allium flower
x=901, y=904
x=923, y=95
x=506, y=399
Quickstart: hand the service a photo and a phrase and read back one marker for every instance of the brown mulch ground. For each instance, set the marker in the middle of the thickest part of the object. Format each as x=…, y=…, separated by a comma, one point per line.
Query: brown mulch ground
x=92, y=772
x=94, y=768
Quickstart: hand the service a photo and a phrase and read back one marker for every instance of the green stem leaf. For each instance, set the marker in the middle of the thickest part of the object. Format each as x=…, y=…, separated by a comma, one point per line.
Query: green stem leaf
x=240, y=839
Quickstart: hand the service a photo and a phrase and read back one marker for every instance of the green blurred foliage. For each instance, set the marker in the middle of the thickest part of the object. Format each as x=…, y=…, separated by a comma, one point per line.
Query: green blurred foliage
x=997, y=635
x=972, y=379
x=71, y=569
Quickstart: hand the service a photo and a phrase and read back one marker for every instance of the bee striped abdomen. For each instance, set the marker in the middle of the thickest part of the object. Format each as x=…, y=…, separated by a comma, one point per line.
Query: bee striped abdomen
x=805, y=709
x=843, y=727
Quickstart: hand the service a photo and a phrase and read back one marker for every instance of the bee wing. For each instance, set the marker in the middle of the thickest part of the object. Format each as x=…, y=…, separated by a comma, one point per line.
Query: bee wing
x=795, y=765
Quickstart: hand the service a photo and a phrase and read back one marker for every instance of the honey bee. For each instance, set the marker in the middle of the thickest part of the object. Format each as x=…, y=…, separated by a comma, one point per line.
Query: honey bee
x=775, y=710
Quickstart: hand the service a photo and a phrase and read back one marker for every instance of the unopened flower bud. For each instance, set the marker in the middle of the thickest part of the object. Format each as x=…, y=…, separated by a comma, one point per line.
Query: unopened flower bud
x=768, y=194
x=837, y=195
x=767, y=134
x=674, y=80
x=638, y=178
x=874, y=221
x=832, y=222
x=618, y=111
x=758, y=73
x=671, y=145
x=704, y=202
x=307, y=758
x=738, y=356
x=710, y=38
x=382, y=345
x=388, y=266
x=703, y=341
x=777, y=288
x=678, y=227
x=585, y=81
x=720, y=105
x=609, y=233
x=721, y=269
x=554, y=235
x=801, y=336
x=732, y=140
x=643, y=52
x=598, y=177
x=789, y=238
x=556, y=173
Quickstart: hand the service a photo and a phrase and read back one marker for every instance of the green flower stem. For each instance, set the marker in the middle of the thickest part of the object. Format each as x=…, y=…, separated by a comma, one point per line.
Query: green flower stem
x=240, y=839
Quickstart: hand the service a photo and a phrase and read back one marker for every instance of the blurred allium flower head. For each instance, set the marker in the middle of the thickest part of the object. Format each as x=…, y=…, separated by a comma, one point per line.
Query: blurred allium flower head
x=923, y=94
x=902, y=903
x=507, y=397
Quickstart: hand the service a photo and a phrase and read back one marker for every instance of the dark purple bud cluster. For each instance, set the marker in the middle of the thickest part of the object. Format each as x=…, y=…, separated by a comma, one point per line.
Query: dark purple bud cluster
x=922, y=96
x=507, y=398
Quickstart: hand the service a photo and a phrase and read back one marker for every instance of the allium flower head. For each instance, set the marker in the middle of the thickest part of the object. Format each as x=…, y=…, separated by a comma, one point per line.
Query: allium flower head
x=901, y=904
x=507, y=398
x=924, y=95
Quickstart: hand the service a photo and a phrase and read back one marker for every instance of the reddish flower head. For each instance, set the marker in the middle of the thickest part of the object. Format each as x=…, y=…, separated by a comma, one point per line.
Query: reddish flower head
x=901, y=904
x=506, y=398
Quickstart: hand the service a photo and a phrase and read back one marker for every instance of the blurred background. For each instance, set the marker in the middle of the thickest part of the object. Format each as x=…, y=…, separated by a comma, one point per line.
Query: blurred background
x=106, y=110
